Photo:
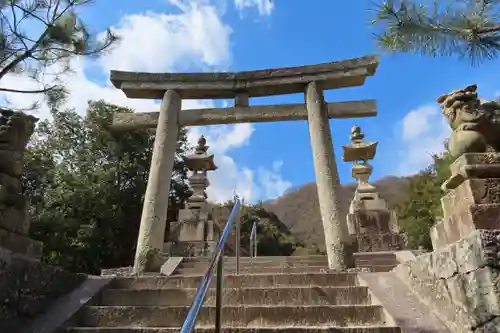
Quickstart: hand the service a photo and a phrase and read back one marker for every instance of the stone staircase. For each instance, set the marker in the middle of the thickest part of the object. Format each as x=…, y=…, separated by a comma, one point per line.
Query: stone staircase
x=278, y=294
x=258, y=265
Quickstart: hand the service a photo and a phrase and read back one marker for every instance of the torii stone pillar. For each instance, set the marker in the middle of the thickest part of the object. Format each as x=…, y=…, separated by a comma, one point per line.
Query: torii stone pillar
x=327, y=178
x=241, y=86
x=154, y=211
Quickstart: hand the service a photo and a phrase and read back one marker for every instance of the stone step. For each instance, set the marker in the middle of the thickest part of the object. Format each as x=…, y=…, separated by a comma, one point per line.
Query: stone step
x=291, y=329
x=378, y=268
x=253, y=270
x=249, y=316
x=388, y=266
x=365, y=263
x=377, y=261
x=241, y=281
x=263, y=259
x=258, y=264
x=374, y=255
x=248, y=296
x=381, y=268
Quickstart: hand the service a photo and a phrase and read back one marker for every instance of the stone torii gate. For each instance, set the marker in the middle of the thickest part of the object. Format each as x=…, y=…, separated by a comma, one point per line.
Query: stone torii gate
x=173, y=87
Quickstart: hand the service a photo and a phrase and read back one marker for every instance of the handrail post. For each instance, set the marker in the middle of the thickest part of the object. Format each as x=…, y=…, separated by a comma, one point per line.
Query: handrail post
x=238, y=235
x=216, y=264
x=255, y=242
x=251, y=245
x=218, y=295
x=238, y=245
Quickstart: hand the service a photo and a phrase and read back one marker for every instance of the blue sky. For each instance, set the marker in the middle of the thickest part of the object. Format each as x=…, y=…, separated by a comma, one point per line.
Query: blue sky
x=263, y=160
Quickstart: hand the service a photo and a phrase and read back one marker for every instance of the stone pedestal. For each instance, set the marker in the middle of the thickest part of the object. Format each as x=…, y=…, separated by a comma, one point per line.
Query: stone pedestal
x=15, y=131
x=472, y=200
x=459, y=280
x=372, y=226
x=192, y=235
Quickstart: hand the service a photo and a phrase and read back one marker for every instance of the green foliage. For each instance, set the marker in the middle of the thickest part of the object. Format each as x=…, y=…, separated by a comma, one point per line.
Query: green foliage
x=86, y=186
x=467, y=28
x=273, y=236
x=56, y=35
x=418, y=212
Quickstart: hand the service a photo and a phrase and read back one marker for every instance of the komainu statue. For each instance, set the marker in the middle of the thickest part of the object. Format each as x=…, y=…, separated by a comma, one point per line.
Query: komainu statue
x=475, y=123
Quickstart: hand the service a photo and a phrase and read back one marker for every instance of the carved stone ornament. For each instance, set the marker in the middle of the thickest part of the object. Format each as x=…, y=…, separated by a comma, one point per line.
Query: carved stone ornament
x=475, y=123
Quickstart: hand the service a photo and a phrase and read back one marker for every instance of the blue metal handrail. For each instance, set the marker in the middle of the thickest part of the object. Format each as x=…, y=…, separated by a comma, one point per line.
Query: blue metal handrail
x=253, y=240
x=217, y=260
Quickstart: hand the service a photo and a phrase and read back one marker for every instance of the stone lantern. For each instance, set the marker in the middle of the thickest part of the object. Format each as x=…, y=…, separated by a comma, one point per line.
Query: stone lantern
x=371, y=225
x=199, y=163
x=359, y=153
x=193, y=233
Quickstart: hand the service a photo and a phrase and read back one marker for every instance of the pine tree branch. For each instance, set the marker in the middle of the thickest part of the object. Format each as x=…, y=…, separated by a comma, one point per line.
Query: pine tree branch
x=56, y=7
x=63, y=36
x=495, y=28
x=412, y=27
x=30, y=13
x=70, y=52
x=28, y=53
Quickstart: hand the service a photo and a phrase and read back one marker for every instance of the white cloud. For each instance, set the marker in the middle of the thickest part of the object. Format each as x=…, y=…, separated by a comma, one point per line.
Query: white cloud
x=164, y=42
x=229, y=177
x=82, y=88
x=193, y=39
x=421, y=133
x=272, y=184
x=265, y=7
x=250, y=185
x=150, y=42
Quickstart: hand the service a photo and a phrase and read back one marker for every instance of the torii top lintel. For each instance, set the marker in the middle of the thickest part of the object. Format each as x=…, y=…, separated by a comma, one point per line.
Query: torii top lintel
x=265, y=82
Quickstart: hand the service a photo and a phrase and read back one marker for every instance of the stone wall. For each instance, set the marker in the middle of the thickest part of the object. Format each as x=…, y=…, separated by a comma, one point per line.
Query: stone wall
x=16, y=129
x=28, y=287
x=460, y=282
